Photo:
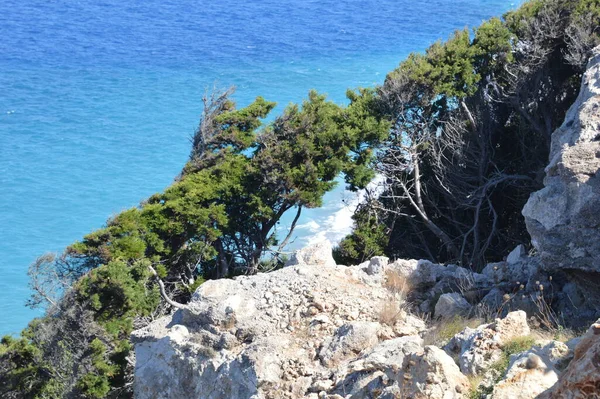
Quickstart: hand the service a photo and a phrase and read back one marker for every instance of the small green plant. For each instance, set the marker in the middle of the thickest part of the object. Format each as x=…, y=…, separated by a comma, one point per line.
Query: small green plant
x=445, y=329
x=517, y=345
x=499, y=367
x=475, y=390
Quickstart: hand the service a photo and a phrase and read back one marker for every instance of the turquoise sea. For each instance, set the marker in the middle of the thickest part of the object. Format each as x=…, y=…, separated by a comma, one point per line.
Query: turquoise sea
x=98, y=98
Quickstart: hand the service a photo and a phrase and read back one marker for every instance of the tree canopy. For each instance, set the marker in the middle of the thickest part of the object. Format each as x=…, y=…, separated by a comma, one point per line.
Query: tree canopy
x=217, y=220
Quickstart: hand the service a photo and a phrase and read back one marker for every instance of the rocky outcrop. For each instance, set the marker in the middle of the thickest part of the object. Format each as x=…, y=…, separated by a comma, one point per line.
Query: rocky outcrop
x=319, y=254
x=581, y=379
x=331, y=332
x=564, y=218
x=477, y=349
x=451, y=305
x=300, y=330
x=532, y=372
x=318, y=330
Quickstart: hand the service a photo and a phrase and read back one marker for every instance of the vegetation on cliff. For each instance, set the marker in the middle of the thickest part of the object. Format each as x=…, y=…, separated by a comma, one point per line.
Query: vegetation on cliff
x=471, y=121
x=459, y=133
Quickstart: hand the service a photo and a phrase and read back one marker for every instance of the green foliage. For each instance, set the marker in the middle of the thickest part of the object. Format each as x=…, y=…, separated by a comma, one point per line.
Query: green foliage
x=118, y=292
x=235, y=128
x=518, y=345
x=97, y=384
x=446, y=68
x=24, y=370
x=587, y=7
x=368, y=239
x=442, y=331
x=492, y=46
x=360, y=123
x=516, y=20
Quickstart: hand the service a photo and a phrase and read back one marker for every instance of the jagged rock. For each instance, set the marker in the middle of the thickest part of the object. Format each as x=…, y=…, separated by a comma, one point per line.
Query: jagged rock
x=477, y=349
x=532, y=372
x=563, y=217
x=319, y=254
x=402, y=368
x=432, y=374
x=389, y=353
x=491, y=301
x=265, y=336
x=581, y=379
x=521, y=270
x=426, y=281
x=368, y=373
x=350, y=339
x=451, y=305
x=377, y=265
x=516, y=255
x=409, y=325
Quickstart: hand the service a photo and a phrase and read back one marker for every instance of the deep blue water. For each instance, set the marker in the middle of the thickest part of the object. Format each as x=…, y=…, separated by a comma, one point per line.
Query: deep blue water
x=98, y=99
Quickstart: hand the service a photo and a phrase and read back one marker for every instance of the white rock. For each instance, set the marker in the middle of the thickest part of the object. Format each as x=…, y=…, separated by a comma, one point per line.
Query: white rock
x=563, y=218
x=531, y=372
x=228, y=344
x=477, y=349
x=433, y=375
x=349, y=339
x=319, y=254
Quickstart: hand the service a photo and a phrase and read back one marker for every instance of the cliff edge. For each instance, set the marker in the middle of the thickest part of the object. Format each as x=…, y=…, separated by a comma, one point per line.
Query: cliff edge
x=563, y=218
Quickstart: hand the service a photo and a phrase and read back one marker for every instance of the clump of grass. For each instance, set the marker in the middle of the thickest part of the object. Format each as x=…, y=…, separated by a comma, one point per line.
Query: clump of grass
x=443, y=330
x=396, y=283
x=475, y=391
x=207, y=351
x=518, y=344
x=513, y=346
x=499, y=368
x=390, y=313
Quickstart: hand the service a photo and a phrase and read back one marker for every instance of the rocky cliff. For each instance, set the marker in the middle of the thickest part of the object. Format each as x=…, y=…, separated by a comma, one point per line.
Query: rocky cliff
x=385, y=329
x=563, y=218
x=314, y=330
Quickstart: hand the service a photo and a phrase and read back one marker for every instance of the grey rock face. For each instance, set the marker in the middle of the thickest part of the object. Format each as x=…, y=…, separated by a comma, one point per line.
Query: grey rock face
x=451, y=305
x=581, y=379
x=563, y=218
x=377, y=265
x=516, y=255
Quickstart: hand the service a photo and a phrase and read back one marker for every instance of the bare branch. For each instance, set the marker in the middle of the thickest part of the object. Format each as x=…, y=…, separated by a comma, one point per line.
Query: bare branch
x=163, y=293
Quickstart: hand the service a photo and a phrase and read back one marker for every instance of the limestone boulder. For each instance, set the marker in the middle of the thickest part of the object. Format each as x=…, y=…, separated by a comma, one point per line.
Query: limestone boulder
x=581, y=379
x=563, y=218
x=319, y=254
x=296, y=332
x=432, y=374
x=377, y=265
x=349, y=340
x=451, y=305
x=477, y=349
x=532, y=372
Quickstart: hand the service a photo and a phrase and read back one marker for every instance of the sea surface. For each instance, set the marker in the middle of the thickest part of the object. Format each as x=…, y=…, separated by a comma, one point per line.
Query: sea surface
x=98, y=98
